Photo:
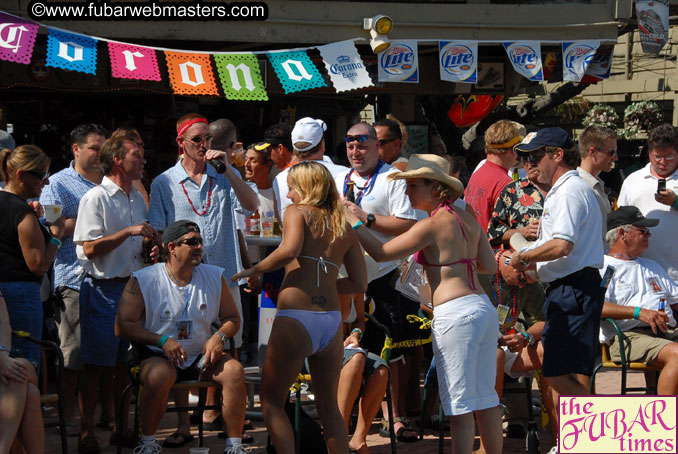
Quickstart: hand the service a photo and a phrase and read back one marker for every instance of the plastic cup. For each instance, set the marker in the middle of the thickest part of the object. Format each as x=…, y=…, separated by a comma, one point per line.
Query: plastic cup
x=267, y=226
x=238, y=155
x=52, y=212
x=199, y=450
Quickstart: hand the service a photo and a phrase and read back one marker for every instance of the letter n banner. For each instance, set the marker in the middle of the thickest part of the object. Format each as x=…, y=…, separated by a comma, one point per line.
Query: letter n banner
x=191, y=74
x=241, y=77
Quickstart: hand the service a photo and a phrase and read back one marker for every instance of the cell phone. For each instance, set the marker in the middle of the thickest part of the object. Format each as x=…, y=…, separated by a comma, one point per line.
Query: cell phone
x=661, y=185
x=607, y=276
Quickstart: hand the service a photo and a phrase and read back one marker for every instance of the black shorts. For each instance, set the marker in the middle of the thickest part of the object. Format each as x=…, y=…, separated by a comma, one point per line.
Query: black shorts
x=572, y=310
x=391, y=308
x=141, y=352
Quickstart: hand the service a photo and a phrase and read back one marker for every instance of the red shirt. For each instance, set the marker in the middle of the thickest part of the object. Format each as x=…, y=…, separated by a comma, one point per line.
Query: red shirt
x=483, y=190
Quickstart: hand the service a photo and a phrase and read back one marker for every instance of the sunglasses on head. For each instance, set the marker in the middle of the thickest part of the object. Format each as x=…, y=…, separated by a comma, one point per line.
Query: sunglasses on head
x=38, y=175
x=199, y=139
x=192, y=242
x=360, y=138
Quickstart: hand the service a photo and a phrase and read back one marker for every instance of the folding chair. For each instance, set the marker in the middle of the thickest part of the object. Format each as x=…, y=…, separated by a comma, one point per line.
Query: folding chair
x=625, y=365
x=200, y=407
x=52, y=398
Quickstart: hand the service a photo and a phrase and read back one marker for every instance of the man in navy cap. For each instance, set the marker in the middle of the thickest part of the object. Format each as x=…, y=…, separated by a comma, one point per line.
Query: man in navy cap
x=567, y=256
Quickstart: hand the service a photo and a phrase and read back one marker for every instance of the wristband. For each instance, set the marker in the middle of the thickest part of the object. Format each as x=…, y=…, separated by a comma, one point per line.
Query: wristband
x=360, y=333
x=636, y=313
x=55, y=241
x=358, y=224
x=162, y=341
x=527, y=338
x=4, y=348
x=223, y=337
x=675, y=203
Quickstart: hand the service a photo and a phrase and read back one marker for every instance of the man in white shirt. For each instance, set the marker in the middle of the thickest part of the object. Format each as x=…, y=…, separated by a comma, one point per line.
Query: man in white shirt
x=567, y=254
x=641, y=189
x=109, y=232
x=383, y=207
x=172, y=333
x=308, y=142
x=598, y=151
x=641, y=297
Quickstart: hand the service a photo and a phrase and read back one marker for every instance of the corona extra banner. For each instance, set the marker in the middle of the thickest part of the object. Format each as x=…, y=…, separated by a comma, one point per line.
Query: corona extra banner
x=345, y=67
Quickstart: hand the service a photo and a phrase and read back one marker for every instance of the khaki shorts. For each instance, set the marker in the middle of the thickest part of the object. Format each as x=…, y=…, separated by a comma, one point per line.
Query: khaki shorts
x=68, y=321
x=642, y=346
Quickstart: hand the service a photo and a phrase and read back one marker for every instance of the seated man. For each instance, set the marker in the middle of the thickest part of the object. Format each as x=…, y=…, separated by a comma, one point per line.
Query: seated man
x=167, y=310
x=637, y=295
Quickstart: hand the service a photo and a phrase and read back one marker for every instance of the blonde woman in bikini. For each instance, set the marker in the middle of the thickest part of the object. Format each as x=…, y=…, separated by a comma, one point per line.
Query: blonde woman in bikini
x=452, y=248
x=316, y=241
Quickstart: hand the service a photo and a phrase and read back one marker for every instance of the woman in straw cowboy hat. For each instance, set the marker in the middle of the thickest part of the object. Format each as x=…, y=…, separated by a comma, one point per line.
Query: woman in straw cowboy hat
x=452, y=247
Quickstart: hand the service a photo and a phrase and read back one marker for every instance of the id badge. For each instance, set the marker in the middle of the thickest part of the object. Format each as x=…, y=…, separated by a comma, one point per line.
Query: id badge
x=184, y=329
x=502, y=310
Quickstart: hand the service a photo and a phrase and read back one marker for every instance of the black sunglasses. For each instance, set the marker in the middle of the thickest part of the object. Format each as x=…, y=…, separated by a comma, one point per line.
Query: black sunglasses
x=360, y=138
x=38, y=175
x=192, y=242
x=383, y=142
x=534, y=157
x=199, y=139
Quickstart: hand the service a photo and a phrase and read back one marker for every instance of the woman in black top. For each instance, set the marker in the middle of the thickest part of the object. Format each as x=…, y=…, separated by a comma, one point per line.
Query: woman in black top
x=27, y=249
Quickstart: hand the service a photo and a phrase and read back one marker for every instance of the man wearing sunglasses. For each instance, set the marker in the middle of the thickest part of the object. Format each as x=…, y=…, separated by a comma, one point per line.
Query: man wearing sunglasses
x=278, y=139
x=598, y=150
x=389, y=138
x=308, y=141
x=383, y=207
x=641, y=297
x=567, y=255
x=642, y=190
x=166, y=311
x=193, y=190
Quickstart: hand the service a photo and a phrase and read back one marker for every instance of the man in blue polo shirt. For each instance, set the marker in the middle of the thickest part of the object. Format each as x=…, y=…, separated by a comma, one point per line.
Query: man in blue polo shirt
x=66, y=188
x=567, y=256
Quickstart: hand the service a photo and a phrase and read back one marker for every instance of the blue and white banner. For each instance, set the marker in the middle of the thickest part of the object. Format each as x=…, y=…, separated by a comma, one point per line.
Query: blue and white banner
x=71, y=51
x=525, y=56
x=295, y=71
x=653, y=24
x=399, y=63
x=346, y=68
x=459, y=61
x=577, y=56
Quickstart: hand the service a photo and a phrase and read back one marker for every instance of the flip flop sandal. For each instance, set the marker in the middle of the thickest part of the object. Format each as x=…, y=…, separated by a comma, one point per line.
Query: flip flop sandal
x=184, y=439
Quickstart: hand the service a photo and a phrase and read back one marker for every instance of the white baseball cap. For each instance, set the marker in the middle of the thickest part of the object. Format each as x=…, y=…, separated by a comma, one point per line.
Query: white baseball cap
x=308, y=130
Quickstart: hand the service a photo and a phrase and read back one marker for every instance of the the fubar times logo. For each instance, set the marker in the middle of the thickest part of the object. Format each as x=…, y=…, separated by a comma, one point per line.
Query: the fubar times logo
x=617, y=424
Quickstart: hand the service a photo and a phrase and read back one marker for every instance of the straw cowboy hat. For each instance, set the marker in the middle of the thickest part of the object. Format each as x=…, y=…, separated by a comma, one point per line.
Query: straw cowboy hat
x=431, y=167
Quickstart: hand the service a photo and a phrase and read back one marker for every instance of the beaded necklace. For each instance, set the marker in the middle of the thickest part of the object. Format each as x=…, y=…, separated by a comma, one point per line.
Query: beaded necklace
x=209, y=197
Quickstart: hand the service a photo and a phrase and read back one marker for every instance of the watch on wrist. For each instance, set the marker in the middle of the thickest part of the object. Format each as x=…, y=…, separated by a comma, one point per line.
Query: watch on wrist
x=370, y=220
x=4, y=348
x=55, y=241
x=223, y=337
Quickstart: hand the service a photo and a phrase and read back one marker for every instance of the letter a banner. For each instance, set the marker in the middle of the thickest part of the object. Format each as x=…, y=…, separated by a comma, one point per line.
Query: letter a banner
x=653, y=24
x=576, y=59
x=133, y=62
x=346, y=68
x=241, y=77
x=191, y=74
x=525, y=57
x=17, y=38
x=72, y=52
x=399, y=63
x=295, y=71
x=459, y=61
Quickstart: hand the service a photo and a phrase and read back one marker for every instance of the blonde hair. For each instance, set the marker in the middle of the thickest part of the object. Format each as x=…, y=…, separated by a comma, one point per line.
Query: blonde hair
x=442, y=191
x=316, y=187
x=24, y=157
x=499, y=133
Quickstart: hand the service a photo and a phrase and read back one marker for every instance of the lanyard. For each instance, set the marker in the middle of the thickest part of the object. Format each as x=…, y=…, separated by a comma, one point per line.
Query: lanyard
x=368, y=187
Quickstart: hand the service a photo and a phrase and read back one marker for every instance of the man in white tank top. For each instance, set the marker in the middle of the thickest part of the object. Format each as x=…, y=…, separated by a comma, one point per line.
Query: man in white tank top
x=166, y=312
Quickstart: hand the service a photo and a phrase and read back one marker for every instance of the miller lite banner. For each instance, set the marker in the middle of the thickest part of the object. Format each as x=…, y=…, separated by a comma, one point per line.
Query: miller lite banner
x=459, y=61
x=525, y=56
x=346, y=68
x=17, y=38
x=653, y=24
x=601, y=65
x=576, y=59
x=399, y=63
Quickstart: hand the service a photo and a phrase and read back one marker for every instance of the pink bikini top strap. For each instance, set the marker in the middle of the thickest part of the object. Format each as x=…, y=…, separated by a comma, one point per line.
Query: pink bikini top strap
x=451, y=210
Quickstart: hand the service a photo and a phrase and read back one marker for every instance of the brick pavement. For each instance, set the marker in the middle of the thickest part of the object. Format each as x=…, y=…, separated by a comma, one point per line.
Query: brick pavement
x=608, y=382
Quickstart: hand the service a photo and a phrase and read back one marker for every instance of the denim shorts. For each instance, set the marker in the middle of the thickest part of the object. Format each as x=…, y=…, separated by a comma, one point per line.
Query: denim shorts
x=25, y=314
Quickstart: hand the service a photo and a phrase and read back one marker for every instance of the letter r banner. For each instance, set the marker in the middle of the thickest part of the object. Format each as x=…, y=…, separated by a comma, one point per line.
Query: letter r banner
x=617, y=424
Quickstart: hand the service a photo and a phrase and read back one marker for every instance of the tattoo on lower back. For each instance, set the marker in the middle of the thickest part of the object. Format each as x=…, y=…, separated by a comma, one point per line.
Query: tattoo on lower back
x=319, y=301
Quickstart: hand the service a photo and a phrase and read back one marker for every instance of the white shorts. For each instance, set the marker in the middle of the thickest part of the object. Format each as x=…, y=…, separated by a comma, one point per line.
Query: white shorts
x=508, y=365
x=465, y=349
